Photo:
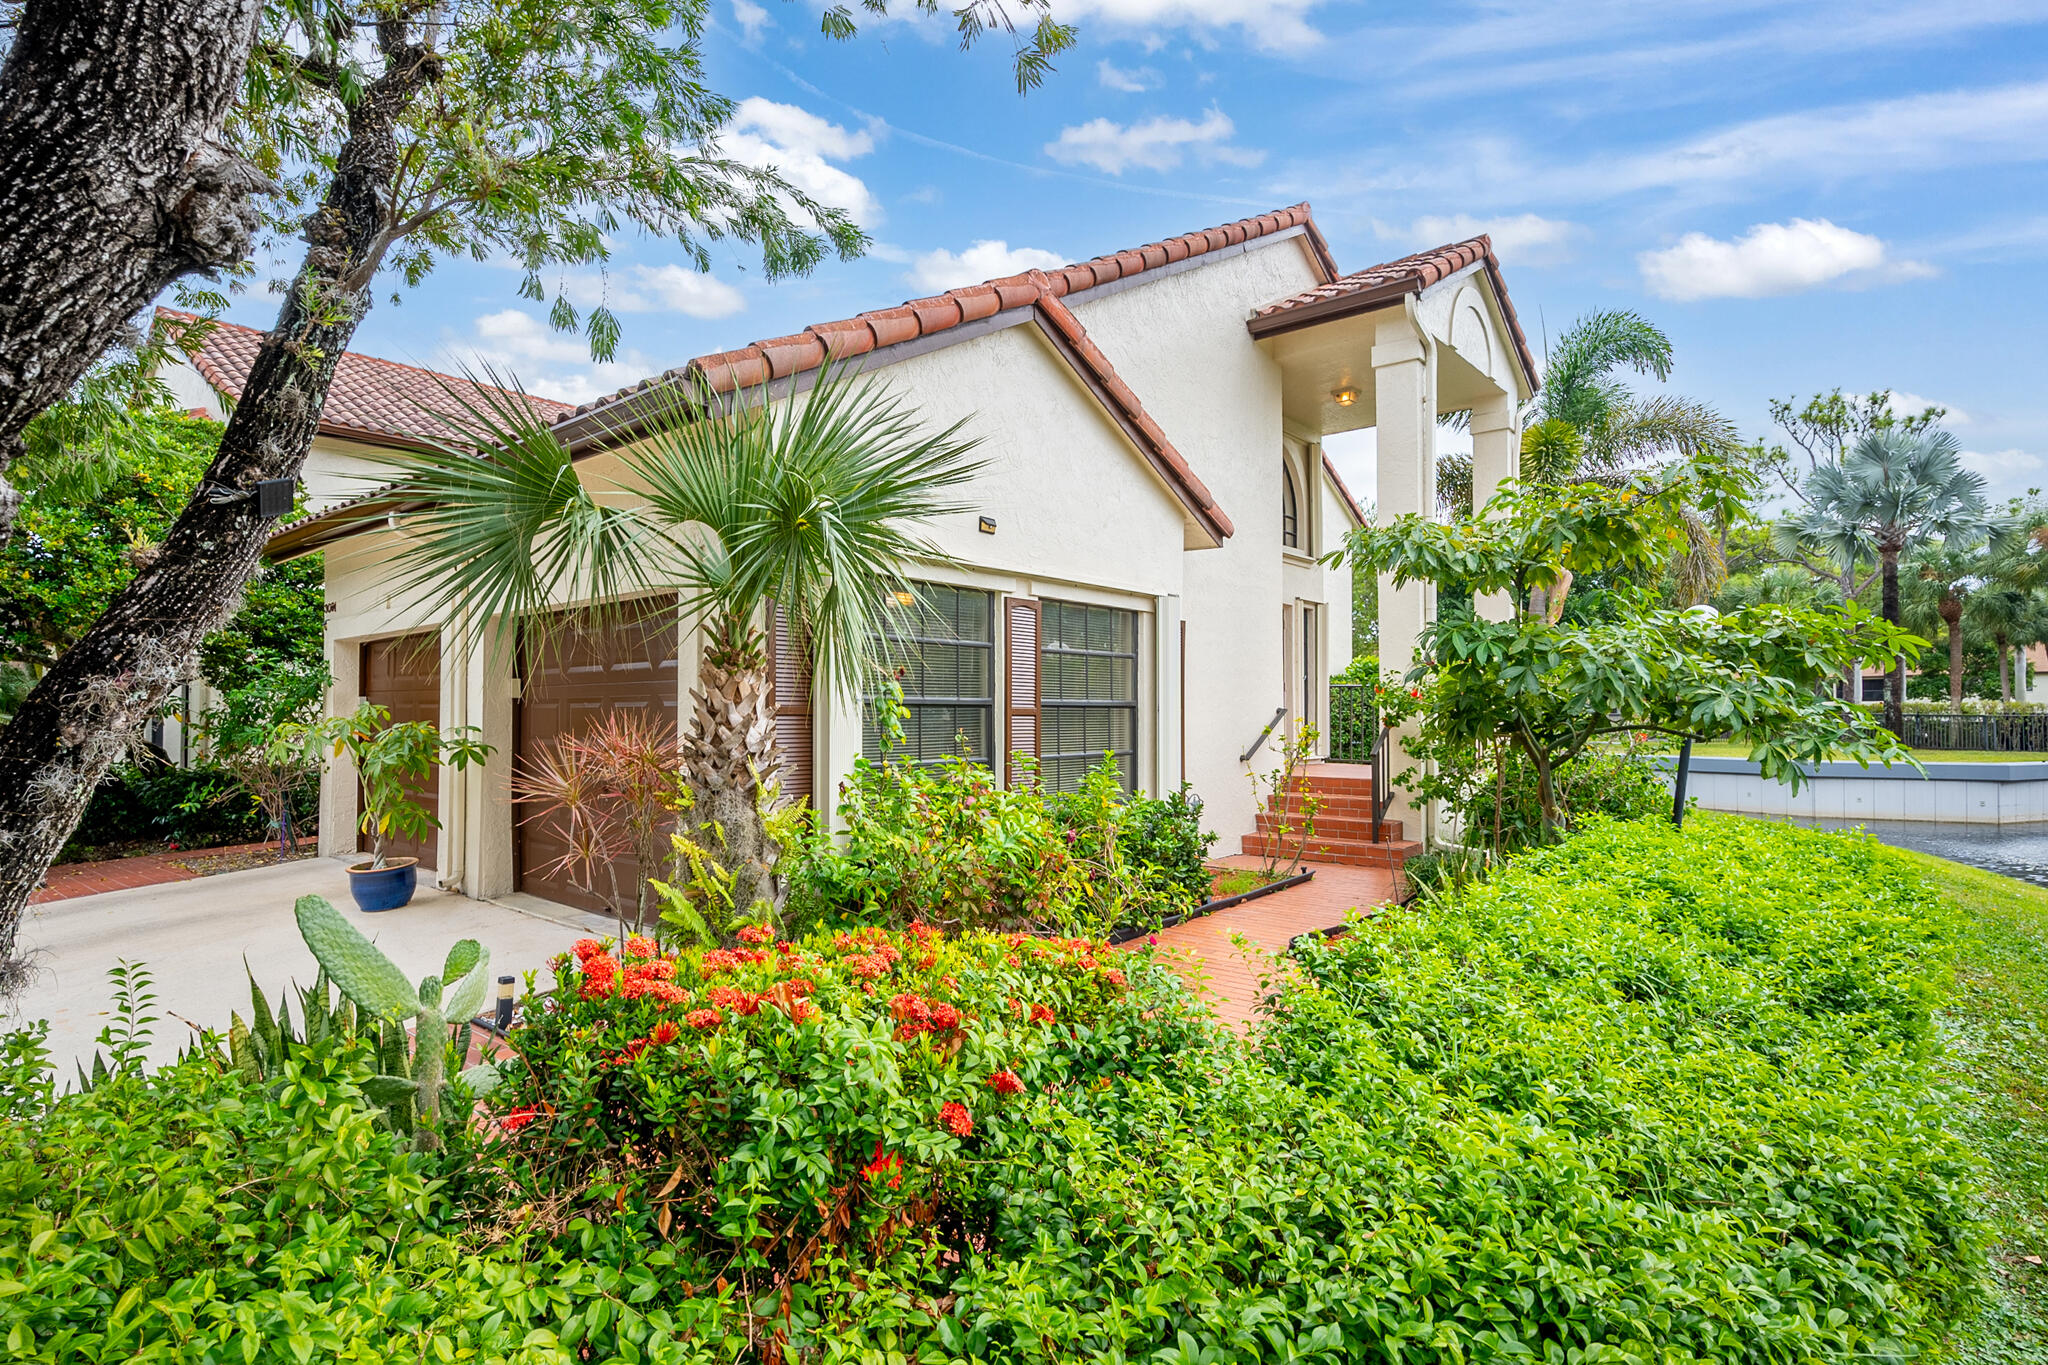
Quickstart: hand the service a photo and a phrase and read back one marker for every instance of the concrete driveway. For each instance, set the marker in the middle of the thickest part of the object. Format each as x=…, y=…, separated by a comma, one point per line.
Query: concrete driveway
x=193, y=937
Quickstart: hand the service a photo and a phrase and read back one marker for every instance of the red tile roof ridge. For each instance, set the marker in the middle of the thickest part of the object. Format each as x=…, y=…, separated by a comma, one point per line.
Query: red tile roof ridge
x=1337, y=481
x=1410, y=274
x=778, y=357
x=1153, y=441
x=386, y=400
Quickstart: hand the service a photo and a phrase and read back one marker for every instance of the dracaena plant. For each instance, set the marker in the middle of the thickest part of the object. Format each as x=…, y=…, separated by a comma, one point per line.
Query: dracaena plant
x=739, y=504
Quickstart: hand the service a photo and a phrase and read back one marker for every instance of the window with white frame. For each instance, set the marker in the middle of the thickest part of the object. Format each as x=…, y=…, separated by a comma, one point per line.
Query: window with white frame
x=941, y=647
x=1088, y=692
x=1290, y=506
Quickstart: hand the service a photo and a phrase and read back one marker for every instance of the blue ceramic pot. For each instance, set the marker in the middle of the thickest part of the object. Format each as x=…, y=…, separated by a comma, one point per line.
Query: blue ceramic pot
x=386, y=888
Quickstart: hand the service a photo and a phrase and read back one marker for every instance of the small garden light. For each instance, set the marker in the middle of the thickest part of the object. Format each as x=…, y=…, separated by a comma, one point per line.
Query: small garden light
x=504, y=1019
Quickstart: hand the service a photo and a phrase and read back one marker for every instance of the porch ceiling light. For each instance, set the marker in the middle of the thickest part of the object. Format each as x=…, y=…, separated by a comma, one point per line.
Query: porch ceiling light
x=906, y=599
x=1345, y=396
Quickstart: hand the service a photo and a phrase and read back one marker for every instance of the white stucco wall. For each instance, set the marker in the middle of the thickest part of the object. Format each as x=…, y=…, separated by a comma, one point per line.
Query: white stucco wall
x=1180, y=342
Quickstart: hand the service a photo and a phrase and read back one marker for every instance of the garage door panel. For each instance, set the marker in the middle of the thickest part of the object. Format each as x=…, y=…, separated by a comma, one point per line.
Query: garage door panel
x=404, y=676
x=585, y=673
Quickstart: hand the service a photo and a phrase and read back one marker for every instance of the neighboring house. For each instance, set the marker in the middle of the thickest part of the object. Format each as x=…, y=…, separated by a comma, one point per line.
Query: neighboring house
x=1140, y=555
x=374, y=407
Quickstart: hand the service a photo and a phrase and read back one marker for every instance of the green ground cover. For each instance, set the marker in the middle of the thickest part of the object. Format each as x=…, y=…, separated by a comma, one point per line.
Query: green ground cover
x=1718, y=750
x=1741, y=1092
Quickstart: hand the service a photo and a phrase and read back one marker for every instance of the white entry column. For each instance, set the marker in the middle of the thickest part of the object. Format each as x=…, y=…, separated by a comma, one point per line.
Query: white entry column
x=1496, y=458
x=1404, y=394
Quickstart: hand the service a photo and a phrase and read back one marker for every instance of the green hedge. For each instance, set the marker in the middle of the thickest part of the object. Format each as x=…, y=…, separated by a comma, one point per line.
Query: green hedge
x=1646, y=1096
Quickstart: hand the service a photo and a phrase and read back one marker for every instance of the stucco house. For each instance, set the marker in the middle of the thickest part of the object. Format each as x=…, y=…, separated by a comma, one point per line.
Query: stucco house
x=1139, y=568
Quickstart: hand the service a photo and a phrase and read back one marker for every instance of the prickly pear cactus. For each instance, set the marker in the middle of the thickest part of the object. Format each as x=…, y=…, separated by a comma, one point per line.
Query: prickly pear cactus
x=364, y=974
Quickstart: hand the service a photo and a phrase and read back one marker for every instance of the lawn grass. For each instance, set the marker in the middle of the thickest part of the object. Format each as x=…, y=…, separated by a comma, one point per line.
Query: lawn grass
x=1235, y=881
x=1996, y=1027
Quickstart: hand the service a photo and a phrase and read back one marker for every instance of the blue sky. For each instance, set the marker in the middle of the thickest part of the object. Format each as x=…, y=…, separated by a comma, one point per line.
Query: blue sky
x=1803, y=196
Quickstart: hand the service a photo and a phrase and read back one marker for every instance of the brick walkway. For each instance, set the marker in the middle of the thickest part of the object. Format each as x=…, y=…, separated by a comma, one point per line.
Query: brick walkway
x=67, y=880
x=1227, y=975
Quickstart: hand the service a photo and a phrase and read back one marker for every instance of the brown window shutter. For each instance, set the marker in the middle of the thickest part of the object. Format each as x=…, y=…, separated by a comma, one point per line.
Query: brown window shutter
x=1020, y=696
x=790, y=664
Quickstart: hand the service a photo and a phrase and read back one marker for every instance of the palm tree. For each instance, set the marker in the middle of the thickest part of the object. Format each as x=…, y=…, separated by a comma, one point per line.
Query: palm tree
x=744, y=504
x=1586, y=424
x=1895, y=489
x=1941, y=582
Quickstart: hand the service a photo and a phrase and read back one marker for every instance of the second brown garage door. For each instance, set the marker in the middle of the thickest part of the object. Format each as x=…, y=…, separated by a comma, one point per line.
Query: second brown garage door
x=404, y=675
x=586, y=670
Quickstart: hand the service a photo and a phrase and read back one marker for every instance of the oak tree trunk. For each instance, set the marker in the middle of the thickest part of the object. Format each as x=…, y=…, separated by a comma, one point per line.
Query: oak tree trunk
x=112, y=183
x=81, y=716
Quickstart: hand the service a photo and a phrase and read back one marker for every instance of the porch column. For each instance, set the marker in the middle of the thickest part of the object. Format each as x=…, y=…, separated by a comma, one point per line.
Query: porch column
x=1496, y=458
x=1404, y=392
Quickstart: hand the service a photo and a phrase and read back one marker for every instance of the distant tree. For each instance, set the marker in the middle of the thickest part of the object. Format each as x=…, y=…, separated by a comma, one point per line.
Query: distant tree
x=1940, y=582
x=1895, y=489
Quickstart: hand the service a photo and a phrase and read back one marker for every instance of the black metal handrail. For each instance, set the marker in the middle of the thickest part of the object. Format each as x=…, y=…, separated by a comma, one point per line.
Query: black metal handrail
x=1278, y=714
x=1381, y=759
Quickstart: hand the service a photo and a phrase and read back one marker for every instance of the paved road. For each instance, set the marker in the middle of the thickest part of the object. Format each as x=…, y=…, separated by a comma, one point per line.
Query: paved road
x=193, y=936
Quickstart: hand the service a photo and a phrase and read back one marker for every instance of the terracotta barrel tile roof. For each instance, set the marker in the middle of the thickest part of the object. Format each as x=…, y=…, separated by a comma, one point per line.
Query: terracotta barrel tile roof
x=374, y=400
x=1377, y=285
x=928, y=316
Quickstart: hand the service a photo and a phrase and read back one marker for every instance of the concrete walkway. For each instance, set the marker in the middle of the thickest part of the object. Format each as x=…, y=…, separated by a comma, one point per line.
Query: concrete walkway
x=194, y=936
x=1226, y=974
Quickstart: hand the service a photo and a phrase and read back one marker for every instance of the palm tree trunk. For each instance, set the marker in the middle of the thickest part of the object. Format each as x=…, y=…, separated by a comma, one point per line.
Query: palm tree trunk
x=1895, y=686
x=2004, y=669
x=1955, y=657
x=730, y=756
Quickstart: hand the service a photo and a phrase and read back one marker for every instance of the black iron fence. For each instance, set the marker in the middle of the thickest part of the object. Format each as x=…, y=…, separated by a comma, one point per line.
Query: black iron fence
x=2006, y=734
x=1354, y=723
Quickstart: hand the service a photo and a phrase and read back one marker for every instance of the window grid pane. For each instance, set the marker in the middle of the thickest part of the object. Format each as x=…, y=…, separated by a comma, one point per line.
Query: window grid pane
x=943, y=651
x=1088, y=680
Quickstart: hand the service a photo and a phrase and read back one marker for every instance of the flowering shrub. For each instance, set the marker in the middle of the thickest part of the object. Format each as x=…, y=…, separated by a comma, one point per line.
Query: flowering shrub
x=949, y=845
x=770, y=1103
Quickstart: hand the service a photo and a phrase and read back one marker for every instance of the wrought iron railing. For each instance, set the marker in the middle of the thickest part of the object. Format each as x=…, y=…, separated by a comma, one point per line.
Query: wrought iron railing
x=1947, y=730
x=1354, y=723
x=1382, y=760
x=1279, y=714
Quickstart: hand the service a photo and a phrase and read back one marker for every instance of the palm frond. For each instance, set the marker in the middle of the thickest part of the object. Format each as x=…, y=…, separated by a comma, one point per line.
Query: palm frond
x=1577, y=384
x=1644, y=431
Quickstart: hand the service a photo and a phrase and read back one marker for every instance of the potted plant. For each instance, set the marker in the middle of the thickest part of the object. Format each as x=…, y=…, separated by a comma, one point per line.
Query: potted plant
x=392, y=762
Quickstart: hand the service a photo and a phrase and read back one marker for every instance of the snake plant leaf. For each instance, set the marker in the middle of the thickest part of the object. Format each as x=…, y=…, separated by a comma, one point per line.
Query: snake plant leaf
x=262, y=1025
x=463, y=956
x=481, y=1079
x=468, y=996
x=242, y=1050
x=363, y=973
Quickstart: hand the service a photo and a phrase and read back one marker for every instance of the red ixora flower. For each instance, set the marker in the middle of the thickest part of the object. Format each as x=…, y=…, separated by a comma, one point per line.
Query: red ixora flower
x=639, y=945
x=702, y=1018
x=1042, y=1014
x=664, y=1032
x=518, y=1118
x=955, y=1119
x=1114, y=977
x=1006, y=1082
x=882, y=1164
x=755, y=935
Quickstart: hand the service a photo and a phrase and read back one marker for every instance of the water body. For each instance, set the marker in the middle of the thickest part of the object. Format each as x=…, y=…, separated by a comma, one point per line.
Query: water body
x=2017, y=851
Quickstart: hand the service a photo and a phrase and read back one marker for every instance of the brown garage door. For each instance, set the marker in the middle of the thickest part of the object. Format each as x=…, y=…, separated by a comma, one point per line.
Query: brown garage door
x=405, y=675
x=587, y=669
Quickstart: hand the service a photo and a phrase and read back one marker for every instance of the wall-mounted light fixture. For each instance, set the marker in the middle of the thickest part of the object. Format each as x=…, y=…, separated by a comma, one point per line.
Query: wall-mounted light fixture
x=1345, y=396
x=906, y=599
x=988, y=525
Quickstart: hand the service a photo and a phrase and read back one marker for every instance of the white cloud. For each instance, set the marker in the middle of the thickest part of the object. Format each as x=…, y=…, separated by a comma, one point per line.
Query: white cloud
x=986, y=260
x=656, y=289
x=1906, y=404
x=554, y=364
x=1772, y=259
x=1268, y=24
x=1157, y=144
x=752, y=18
x=803, y=147
x=1518, y=239
x=2002, y=467
x=1131, y=82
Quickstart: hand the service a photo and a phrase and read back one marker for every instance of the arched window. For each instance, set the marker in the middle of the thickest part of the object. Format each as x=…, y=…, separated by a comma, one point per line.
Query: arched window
x=1290, y=507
